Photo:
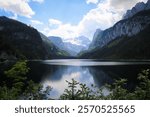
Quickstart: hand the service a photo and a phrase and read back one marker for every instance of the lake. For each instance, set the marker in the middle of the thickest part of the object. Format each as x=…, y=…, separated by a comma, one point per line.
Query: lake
x=54, y=73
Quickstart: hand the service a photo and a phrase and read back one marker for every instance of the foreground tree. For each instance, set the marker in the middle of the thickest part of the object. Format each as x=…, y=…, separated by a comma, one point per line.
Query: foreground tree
x=117, y=90
x=18, y=86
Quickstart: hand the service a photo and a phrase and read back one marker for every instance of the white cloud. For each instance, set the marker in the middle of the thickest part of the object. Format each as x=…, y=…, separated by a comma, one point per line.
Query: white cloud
x=14, y=17
x=124, y=4
x=92, y=1
x=36, y=22
x=106, y=14
x=57, y=28
x=40, y=1
x=20, y=7
x=54, y=22
x=101, y=17
x=59, y=86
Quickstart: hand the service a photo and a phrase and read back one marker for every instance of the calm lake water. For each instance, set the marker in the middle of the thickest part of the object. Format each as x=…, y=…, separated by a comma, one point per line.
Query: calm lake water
x=54, y=73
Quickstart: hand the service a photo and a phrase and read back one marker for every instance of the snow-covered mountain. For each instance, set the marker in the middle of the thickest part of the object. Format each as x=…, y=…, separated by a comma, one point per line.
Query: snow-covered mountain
x=81, y=41
x=72, y=46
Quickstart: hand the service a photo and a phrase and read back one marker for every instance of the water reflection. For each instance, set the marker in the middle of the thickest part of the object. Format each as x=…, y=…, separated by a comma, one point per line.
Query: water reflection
x=58, y=79
x=92, y=62
x=54, y=73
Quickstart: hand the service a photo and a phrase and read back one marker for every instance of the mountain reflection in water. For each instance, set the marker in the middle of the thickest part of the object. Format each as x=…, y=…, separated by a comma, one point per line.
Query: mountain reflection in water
x=54, y=73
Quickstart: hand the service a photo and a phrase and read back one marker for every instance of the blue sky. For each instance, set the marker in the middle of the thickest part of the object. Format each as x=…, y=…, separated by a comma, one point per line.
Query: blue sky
x=67, y=18
x=66, y=11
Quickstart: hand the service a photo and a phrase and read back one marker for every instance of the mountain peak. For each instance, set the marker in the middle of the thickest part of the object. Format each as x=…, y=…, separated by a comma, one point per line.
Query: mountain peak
x=148, y=5
x=140, y=6
x=81, y=40
x=98, y=30
x=4, y=18
x=55, y=40
x=128, y=28
x=96, y=34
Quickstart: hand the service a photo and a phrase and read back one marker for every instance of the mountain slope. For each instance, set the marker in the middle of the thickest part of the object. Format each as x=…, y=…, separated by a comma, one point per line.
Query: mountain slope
x=130, y=42
x=53, y=50
x=19, y=41
x=57, y=41
x=132, y=23
x=135, y=47
x=126, y=27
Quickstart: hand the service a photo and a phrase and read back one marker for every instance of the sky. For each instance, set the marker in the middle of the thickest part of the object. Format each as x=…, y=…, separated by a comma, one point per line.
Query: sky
x=67, y=18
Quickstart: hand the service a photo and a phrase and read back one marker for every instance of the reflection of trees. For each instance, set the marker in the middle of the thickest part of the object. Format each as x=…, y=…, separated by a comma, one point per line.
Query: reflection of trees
x=100, y=77
x=106, y=74
x=101, y=74
x=61, y=71
x=117, y=90
x=40, y=70
x=55, y=72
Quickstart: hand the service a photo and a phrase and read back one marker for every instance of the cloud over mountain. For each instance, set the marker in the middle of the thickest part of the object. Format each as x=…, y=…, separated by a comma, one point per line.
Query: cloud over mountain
x=107, y=13
x=103, y=15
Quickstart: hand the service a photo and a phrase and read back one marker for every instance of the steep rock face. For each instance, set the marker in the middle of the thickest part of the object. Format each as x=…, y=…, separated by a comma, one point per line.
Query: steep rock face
x=135, y=47
x=133, y=22
x=147, y=5
x=52, y=49
x=126, y=27
x=96, y=34
x=138, y=7
x=57, y=41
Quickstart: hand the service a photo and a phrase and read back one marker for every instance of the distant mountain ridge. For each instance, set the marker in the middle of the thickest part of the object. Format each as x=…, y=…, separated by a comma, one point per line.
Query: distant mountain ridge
x=81, y=43
x=57, y=41
x=81, y=40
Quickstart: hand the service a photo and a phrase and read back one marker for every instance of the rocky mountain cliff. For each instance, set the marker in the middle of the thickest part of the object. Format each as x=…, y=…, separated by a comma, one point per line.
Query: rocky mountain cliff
x=57, y=41
x=54, y=51
x=127, y=39
x=126, y=27
x=137, y=8
x=135, y=47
